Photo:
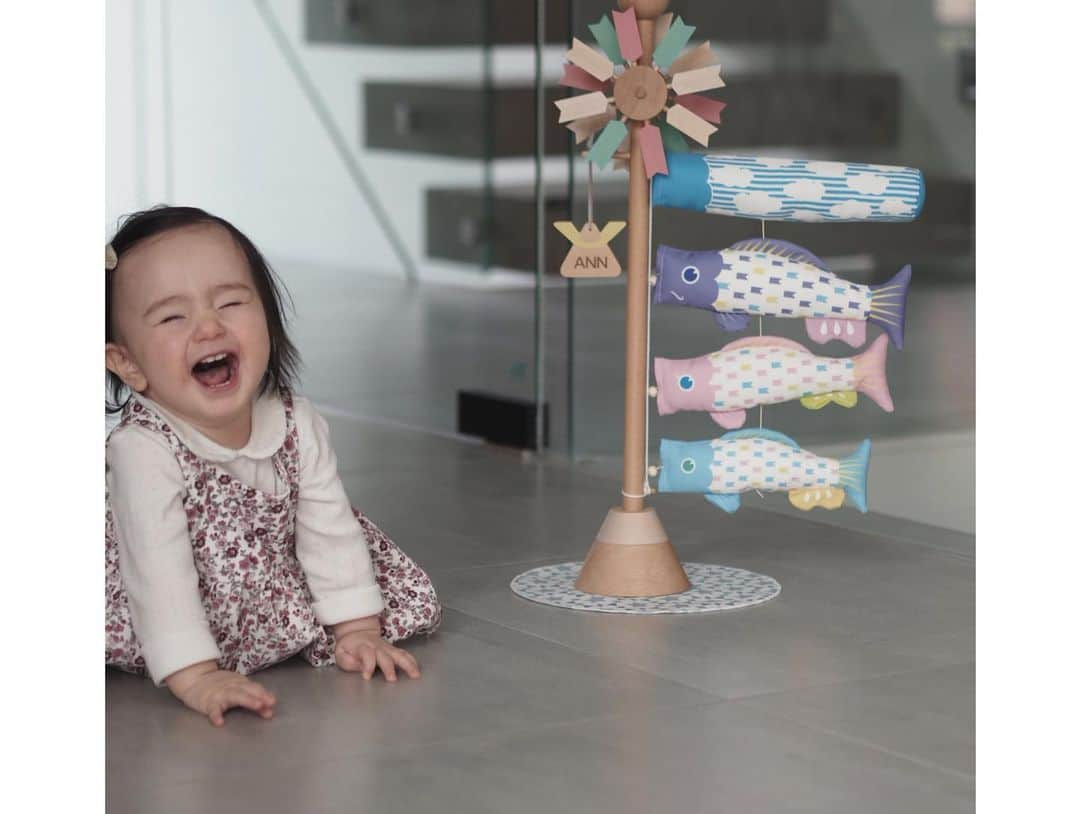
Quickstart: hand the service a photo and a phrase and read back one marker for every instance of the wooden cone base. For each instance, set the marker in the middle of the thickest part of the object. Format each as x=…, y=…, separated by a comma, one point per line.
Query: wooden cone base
x=632, y=556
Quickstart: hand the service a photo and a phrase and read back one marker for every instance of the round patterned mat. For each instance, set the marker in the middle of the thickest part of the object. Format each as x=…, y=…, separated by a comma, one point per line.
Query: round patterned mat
x=712, y=588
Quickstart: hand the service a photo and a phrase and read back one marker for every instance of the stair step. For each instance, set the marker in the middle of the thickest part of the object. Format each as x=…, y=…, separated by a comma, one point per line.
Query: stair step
x=456, y=231
x=512, y=22
x=774, y=110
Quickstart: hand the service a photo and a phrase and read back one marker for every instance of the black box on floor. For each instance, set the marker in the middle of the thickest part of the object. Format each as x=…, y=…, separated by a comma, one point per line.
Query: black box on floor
x=500, y=419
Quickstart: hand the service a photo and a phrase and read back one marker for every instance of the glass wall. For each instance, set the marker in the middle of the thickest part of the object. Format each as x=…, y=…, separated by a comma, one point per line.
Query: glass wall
x=845, y=80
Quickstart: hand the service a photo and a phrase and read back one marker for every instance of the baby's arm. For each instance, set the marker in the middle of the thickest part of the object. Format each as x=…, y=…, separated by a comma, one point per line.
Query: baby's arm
x=333, y=551
x=146, y=492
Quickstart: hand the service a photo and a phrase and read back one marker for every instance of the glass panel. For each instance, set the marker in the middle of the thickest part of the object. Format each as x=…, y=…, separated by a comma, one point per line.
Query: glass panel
x=844, y=80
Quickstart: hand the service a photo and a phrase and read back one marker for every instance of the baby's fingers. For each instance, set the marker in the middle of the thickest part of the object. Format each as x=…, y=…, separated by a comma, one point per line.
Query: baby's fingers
x=361, y=660
x=261, y=693
x=386, y=664
x=237, y=696
x=405, y=660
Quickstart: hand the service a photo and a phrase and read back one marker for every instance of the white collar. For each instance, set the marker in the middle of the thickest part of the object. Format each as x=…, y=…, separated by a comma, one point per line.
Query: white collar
x=267, y=431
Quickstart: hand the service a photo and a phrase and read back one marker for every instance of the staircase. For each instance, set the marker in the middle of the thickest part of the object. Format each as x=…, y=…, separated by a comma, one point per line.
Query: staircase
x=846, y=115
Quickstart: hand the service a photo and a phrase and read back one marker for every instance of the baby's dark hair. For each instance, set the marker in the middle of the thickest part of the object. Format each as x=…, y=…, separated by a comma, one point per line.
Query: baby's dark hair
x=284, y=365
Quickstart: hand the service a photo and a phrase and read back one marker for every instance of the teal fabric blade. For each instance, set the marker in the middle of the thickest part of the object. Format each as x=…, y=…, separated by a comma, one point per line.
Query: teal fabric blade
x=606, y=38
x=674, y=41
x=673, y=139
x=608, y=142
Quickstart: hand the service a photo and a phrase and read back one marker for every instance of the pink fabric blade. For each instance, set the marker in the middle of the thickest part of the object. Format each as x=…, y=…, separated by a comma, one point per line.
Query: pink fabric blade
x=652, y=150
x=708, y=109
x=627, y=31
x=575, y=77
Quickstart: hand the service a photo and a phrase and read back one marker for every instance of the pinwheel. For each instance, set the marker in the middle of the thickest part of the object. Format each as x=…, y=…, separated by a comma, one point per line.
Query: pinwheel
x=668, y=90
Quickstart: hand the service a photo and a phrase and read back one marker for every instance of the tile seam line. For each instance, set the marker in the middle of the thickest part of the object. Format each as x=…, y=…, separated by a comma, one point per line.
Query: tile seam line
x=854, y=739
x=758, y=697
x=731, y=699
x=581, y=652
x=404, y=752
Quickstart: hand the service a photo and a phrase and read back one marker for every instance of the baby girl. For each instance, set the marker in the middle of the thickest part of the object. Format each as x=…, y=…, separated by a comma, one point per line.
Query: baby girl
x=230, y=544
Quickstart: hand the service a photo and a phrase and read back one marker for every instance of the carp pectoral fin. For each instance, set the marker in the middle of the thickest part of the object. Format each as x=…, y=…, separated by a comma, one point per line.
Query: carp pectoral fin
x=845, y=398
x=729, y=503
x=732, y=322
x=823, y=329
x=827, y=497
x=729, y=419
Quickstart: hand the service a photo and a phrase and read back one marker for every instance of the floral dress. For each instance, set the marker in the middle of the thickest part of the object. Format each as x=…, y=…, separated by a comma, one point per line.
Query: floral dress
x=252, y=587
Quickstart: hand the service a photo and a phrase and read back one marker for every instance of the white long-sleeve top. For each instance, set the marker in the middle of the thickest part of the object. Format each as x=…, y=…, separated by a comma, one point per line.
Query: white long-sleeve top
x=146, y=490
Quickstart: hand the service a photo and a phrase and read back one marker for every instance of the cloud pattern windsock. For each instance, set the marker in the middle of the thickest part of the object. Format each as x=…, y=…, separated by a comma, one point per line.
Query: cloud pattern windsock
x=792, y=189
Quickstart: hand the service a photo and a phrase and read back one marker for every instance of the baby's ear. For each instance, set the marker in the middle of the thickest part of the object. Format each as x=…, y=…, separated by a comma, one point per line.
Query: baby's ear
x=119, y=361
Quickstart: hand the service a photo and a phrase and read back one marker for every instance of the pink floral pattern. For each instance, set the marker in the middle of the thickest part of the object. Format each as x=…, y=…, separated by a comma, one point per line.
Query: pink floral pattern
x=253, y=589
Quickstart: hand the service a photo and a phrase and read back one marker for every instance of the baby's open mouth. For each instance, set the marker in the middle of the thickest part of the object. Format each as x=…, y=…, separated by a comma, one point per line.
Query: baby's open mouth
x=215, y=371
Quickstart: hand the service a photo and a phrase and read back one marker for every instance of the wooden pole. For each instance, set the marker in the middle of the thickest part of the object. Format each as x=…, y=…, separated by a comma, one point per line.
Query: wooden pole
x=637, y=292
x=631, y=555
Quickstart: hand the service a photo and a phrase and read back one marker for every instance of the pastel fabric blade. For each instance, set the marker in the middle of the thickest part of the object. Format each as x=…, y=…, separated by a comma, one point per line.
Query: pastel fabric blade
x=700, y=57
x=652, y=150
x=583, y=128
x=691, y=124
x=673, y=42
x=703, y=106
x=783, y=189
x=586, y=58
x=575, y=77
x=579, y=107
x=626, y=31
x=673, y=139
x=697, y=80
x=604, y=34
x=607, y=143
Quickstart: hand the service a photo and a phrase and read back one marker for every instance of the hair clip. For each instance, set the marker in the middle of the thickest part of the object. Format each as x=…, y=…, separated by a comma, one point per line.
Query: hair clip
x=110, y=257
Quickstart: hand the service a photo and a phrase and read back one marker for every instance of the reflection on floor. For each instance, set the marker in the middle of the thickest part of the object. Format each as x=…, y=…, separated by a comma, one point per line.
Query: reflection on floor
x=375, y=347
x=853, y=691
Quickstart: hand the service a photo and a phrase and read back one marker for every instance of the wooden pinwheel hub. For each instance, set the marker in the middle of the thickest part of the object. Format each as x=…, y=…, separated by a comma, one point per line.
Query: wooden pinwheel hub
x=640, y=93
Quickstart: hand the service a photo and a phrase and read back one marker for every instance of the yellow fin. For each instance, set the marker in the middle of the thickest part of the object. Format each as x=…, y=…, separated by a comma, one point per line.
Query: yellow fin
x=845, y=398
x=827, y=497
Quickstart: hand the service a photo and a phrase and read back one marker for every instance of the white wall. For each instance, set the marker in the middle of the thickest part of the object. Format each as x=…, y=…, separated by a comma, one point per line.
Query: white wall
x=233, y=133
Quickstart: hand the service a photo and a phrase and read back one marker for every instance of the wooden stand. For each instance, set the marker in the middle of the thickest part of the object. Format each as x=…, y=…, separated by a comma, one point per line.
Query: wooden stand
x=632, y=555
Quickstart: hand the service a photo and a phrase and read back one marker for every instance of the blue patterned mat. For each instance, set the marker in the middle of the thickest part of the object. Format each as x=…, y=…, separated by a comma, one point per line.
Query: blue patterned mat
x=712, y=588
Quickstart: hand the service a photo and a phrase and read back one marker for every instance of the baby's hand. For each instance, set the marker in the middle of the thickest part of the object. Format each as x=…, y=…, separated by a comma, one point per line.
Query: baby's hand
x=210, y=691
x=363, y=650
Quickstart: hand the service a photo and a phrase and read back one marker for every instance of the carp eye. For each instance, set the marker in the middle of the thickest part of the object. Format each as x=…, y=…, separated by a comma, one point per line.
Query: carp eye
x=688, y=465
x=686, y=382
x=690, y=275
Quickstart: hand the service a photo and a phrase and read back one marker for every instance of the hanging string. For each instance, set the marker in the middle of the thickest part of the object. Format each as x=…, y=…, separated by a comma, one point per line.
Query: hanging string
x=648, y=344
x=589, y=185
x=761, y=332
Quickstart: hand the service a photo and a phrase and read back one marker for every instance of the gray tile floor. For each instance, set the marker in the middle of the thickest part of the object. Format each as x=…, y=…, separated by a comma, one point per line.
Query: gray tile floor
x=853, y=691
